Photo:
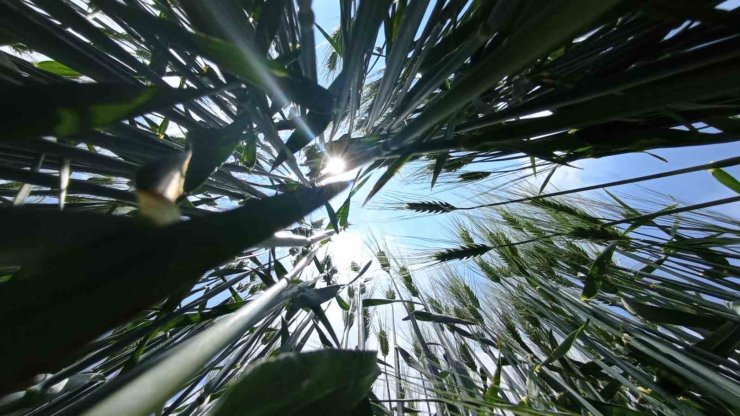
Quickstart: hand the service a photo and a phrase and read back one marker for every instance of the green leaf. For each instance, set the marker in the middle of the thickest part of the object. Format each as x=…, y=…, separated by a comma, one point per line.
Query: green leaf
x=646, y=220
x=343, y=213
x=211, y=148
x=671, y=316
x=440, y=319
x=597, y=274
x=342, y=303
x=243, y=62
x=410, y=360
x=77, y=258
x=392, y=169
x=493, y=390
x=332, y=217
x=268, y=23
x=533, y=163
x=545, y=31
x=364, y=270
x=313, y=383
x=547, y=180
x=364, y=30
x=159, y=60
x=726, y=179
x=67, y=109
x=723, y=341
x=162, y=128
x=287, y=58
x=249, y=155
x=439, y=163
x=280, y=270
x=404, y=27
x=308, y=297
x=609, y=409
x=57, y=68
x=337, y=46
x=307, y=128
x=564, y=346
x=366, y=303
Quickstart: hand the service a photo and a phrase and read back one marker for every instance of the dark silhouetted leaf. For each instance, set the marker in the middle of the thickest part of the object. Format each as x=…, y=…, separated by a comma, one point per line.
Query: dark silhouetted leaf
x=564, y=346
x=597, y=273
x=670, y=316
x=211, y=148
x=67, y=109
x=440, y=319
x=308, y=297
x=86, y=273
x=726, y=179
x=366, y=303
x=313, y=383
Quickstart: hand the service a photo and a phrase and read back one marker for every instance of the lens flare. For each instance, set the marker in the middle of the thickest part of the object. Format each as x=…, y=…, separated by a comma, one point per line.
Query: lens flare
x=335, y=166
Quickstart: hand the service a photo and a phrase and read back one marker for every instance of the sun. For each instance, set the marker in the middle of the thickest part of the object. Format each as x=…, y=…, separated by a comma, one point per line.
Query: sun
x=335, y=166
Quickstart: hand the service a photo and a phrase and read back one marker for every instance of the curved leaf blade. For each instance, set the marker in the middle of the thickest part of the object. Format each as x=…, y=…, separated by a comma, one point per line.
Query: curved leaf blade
x=72, y=277
x=67, y=109
x=318, y=382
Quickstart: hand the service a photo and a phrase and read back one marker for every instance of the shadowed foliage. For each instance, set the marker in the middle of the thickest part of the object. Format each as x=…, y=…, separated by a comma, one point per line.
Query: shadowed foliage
x=159, y=160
